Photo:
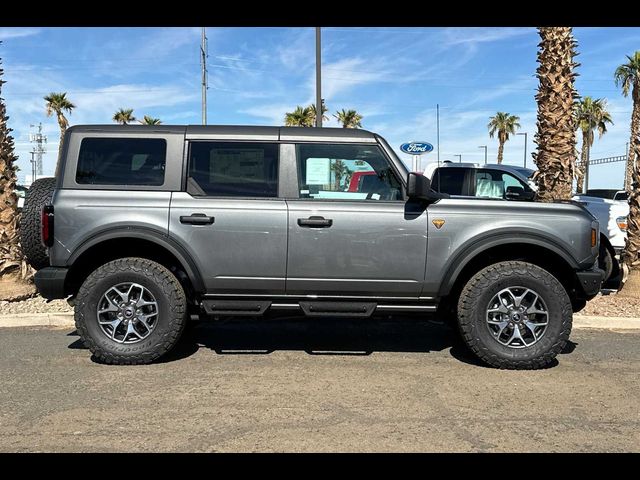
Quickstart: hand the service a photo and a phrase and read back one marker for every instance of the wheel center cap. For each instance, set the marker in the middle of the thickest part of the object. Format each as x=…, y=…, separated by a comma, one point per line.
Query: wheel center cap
x=516, y=317
x=128, y=313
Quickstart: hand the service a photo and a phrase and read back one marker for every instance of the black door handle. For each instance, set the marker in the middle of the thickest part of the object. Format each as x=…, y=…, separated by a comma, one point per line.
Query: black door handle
x=197, y=219
x=315, y=222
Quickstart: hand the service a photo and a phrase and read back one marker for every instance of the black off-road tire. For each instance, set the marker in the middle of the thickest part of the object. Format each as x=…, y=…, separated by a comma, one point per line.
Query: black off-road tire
x=39, y=194
x=171, y=320
x=474, y=301
x=605, y=261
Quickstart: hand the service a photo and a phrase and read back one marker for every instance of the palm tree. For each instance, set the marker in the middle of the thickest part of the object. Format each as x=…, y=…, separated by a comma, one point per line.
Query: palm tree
x=58, y=103
x=627, y=76
x=11, y=258
x=312, y=109
x=147, y=120
x=124, y=116
x=300, y=117
x=505, y=124
x=349, y=118
x=555, y=135
x=340, y=171
x=631, y=253
x=590, y=115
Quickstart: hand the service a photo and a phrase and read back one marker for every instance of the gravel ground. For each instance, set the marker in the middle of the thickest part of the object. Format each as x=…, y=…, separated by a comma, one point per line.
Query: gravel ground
x=602, y=305
x=612, y=306
x=34, y=305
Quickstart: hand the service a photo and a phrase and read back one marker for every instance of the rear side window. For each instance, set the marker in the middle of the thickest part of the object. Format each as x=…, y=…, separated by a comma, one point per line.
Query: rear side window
x=233, y=169
x=449, y=180
x=122, y=161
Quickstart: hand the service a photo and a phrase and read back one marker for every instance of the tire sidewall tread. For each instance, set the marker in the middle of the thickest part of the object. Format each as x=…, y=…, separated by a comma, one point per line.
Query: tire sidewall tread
x=476, y=295
x=172, y=306
x=40, y=193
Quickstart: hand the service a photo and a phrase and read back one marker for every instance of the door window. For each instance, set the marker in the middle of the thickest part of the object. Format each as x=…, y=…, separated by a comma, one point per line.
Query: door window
x=347, y=172
x=228, y=169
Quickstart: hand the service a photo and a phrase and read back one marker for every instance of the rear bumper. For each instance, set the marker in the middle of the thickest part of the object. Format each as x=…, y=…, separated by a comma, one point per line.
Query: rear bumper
x=590, y=281
x=50, y=282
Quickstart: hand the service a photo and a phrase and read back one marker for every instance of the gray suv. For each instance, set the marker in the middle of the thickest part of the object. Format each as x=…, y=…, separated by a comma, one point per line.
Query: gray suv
x=147, y=226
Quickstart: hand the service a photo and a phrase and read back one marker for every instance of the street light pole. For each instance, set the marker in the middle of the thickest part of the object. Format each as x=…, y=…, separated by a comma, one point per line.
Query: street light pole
x=525, y=147
x=459, y=158
x=318, y=80
x=485, y=153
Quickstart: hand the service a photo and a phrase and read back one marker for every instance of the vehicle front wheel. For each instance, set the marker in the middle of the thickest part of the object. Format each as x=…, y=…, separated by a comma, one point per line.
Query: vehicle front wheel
x=515, y=315
x=130, y=311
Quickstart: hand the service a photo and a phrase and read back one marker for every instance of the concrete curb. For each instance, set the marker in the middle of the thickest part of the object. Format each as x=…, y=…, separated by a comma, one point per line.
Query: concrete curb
x=611, y=323
x=66, y=320
x=37, y=320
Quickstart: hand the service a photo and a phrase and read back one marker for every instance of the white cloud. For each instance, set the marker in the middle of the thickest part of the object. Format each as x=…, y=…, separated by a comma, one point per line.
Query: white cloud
x=475, y=35
x=17, y=32
x=273, y=113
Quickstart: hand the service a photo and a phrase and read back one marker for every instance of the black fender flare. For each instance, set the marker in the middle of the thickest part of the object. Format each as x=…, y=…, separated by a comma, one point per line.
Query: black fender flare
x=475, y=246
x=158, y=237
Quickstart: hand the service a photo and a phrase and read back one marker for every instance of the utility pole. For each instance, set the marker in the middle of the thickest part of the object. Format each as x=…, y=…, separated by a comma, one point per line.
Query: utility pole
x=438, y=130
x=459, y=158
x=525, y=147
x=485, y=153
x=203, y=64
x=33, y=166
x=318, y=80
x=38, y=149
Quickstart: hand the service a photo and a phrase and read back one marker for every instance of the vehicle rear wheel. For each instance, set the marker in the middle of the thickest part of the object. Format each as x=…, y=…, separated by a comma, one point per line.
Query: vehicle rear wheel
x=39, y=194
x=515, y=315
x=130, y=311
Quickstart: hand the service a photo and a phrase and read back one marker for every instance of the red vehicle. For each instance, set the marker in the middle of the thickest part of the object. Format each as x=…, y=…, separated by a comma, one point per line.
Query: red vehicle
x=357, y=179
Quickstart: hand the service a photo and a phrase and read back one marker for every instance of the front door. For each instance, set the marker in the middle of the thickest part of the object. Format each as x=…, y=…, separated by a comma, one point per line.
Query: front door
x=351, y=233
x=230, y=218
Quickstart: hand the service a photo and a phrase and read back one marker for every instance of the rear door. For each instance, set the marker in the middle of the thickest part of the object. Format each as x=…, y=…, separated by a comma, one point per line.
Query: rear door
x=346, y=243
x=230, y=217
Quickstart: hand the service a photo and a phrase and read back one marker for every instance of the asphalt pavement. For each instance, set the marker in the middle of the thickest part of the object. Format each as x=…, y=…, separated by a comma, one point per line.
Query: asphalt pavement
x=316, y=386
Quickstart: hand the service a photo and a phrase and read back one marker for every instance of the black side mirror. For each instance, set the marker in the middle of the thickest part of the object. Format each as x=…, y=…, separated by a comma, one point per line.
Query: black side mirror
x=518, y=193
x=419, y=188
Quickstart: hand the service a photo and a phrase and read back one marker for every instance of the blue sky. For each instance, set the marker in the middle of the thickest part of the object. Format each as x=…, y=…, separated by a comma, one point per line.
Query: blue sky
x=394, y=76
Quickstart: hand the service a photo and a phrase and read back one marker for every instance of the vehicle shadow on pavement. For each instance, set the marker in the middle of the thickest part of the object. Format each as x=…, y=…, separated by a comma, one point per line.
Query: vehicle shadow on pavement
x=330, y=336
x=327, y=336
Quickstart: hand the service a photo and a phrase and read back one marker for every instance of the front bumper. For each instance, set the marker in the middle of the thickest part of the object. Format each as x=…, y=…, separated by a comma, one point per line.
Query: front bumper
x=50, y=282
x=590, y=281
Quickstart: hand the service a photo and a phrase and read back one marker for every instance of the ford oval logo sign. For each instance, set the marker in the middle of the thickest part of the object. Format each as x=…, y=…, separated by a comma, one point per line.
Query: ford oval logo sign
x=416, y=148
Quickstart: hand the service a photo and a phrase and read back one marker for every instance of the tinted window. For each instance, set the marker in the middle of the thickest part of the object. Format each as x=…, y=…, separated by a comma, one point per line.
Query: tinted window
x=494, y=183
x=449, y=180
x=233, y=169
x=122, y=161
x=348, y=172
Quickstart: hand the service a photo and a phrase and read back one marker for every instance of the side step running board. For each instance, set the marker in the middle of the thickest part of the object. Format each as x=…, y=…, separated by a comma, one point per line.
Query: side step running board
x=338, y=309
x=235, y=307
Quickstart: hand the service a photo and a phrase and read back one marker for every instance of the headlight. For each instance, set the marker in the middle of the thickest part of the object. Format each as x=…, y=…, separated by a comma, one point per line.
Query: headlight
x=622, y=223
